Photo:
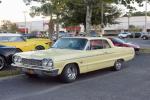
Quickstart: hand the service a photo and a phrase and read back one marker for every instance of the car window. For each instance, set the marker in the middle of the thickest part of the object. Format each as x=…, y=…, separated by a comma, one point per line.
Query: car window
x=11, y=39
x=106, y=44
x=117, y=40
x=3, y=39
x=70, y=43
x=96, y=44
x=15, y=39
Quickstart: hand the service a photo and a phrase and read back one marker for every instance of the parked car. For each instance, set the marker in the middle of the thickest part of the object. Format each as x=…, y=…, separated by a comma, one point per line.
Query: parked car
x=136, y=35
x=6, y=54
x=124, y=35
x=72, y=56
x=145, y=36
x=29, y=36
x=19, y=41
x=121, y=43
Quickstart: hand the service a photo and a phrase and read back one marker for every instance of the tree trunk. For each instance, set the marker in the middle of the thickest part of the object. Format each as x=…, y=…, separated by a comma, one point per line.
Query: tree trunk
x=51, y=27
x=88, y=19
x=57, y=27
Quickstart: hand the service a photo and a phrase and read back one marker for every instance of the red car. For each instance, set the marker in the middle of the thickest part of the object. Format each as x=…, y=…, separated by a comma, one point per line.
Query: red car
x=121, y=43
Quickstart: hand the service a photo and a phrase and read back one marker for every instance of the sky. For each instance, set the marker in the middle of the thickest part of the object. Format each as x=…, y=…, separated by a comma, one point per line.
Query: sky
x=13, y=10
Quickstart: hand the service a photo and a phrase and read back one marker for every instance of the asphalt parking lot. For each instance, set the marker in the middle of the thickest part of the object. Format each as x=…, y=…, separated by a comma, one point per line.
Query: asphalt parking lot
x=139, y=41
x=131, y=83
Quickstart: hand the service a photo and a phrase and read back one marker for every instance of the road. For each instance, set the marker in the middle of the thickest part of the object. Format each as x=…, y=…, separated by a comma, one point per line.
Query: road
x=131, y=83
x=139, y=41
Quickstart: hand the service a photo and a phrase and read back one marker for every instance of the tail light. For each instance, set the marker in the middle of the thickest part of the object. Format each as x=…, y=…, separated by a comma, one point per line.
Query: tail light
x=48, y=43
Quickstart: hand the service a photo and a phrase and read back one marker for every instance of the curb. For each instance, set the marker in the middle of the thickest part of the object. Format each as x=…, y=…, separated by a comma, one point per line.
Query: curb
x=9, y=77
x=145, y=50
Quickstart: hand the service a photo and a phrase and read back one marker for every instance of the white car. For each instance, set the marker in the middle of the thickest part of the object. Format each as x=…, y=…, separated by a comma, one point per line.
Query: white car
x=124, y=35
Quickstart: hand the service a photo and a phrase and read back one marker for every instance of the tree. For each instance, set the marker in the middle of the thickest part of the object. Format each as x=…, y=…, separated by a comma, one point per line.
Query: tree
x=46, y=10
x=8, y=26
x=76, y=14
x=49, y=8
x=139, y=13
x=88, y=8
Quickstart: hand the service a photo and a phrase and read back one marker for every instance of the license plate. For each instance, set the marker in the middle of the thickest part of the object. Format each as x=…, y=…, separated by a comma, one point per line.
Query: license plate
x=30, y=71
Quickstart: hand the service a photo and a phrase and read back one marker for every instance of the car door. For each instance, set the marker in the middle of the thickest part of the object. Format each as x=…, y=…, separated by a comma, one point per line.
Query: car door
x=20, y=42
x=101, y=55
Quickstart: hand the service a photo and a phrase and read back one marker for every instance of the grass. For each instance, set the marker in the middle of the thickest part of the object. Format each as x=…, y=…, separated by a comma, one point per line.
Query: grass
x=145, y=50
x=9, y=72
x=16, y=71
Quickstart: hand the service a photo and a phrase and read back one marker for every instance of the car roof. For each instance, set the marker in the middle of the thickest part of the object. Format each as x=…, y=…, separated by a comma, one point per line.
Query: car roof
x=10, y=34
x=88, y=38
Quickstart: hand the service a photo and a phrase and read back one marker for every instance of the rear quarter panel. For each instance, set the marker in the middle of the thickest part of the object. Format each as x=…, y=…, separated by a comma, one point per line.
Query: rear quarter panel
x=39, y=41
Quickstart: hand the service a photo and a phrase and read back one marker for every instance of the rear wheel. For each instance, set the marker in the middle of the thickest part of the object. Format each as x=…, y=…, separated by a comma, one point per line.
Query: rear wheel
x=2, y=62
x=69, y=73
x=39, y=47
x=118, y=65
x=144, y=38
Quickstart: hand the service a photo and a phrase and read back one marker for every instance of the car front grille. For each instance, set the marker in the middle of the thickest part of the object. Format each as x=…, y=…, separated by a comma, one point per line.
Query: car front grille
x=34, y=62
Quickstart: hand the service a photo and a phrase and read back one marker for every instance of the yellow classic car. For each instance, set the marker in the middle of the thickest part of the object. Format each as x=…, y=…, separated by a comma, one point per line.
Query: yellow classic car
x=19, y=41
x=72, y=56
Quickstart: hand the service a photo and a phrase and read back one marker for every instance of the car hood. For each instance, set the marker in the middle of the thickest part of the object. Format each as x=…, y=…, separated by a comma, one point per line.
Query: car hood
x=133, y=45
x=55, y=54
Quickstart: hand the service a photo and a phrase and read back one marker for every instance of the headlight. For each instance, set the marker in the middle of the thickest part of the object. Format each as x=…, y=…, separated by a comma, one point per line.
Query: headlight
x=47, y=63
x=17, y=59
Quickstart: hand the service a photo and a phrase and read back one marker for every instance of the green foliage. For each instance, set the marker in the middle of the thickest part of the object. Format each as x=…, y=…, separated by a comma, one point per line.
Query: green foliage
x=76, y=13
x=140, y=14
x=133, y=28
x=8, y=26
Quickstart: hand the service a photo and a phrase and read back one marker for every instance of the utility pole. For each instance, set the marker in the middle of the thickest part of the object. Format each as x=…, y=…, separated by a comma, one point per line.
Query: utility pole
x=25, y=21
x=102, y=18
x=128, y=15
x=43, y=23
x=146, y=15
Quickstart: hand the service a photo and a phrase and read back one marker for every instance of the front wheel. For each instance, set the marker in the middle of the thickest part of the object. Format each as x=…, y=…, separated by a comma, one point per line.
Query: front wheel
x=144, y=38
x=2, y=62
x=39, y=47
x=69, y=73
x=118, y=65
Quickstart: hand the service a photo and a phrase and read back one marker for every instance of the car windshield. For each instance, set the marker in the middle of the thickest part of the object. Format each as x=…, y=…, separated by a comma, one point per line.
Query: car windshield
x=117, y=40
x=70, y=43
x=11, y=38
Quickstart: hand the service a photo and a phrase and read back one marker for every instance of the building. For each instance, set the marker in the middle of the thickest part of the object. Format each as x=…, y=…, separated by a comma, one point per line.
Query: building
x=125, y=22
x=123, y=25
x=42, y=26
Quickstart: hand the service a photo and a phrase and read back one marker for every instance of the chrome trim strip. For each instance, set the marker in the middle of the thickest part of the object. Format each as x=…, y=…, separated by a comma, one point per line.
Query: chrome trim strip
x=86, y=56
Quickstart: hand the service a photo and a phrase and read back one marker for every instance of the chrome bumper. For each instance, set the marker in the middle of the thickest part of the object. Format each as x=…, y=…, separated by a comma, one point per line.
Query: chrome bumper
x=36, y=70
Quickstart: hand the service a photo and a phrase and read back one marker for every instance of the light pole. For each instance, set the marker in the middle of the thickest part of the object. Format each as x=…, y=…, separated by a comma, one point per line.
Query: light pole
x=43, y=23
x=146, y=15
x=102, y=18
x=128, y=15
x=25, y=21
